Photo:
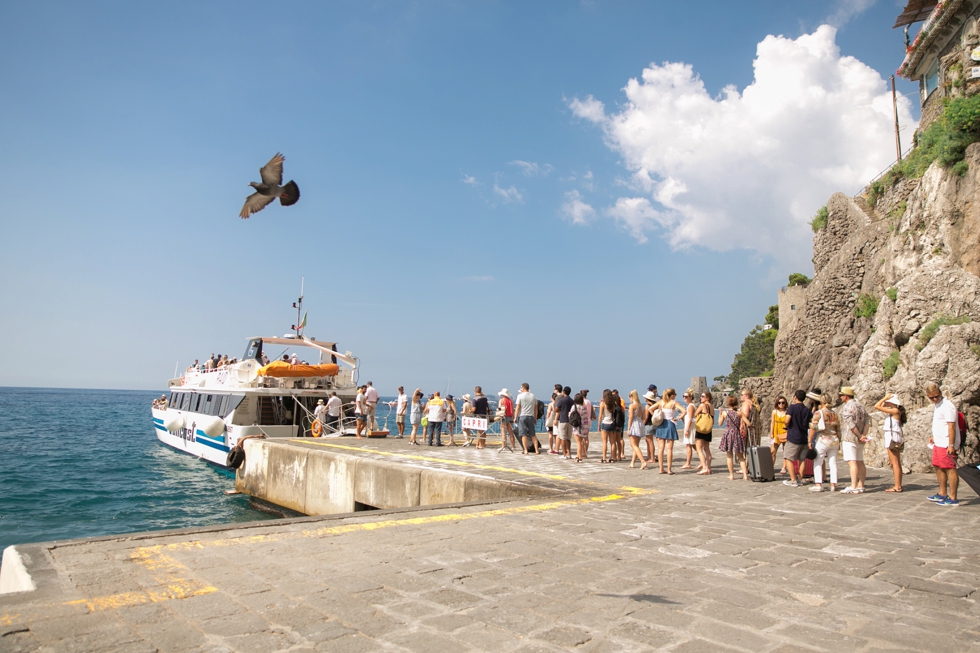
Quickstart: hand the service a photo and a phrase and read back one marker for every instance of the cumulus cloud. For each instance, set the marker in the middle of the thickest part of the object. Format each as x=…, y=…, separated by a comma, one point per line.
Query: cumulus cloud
x=509, y=195
x=532, y=169
x=575, y=210
x=470, y=181
x=748, y=169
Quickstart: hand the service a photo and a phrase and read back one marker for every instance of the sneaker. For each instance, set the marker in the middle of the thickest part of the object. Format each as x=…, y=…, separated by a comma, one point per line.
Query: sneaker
x=848, y=490
x=948, y=502
x=789, y=483
x=938, y=498
x=816, y=488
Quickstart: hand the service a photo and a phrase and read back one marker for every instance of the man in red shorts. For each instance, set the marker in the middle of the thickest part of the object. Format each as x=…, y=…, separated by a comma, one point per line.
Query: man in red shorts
x=945, y=441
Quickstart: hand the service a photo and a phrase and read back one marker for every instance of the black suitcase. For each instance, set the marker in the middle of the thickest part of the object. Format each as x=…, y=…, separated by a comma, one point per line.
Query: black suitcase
x=971, y=475
x=759, y=461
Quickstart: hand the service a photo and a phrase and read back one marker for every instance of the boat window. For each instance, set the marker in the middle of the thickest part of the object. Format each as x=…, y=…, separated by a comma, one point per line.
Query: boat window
x=209, y=405
x=174, y=398
x=183, y=400
x=198, y=403
x=231, y=403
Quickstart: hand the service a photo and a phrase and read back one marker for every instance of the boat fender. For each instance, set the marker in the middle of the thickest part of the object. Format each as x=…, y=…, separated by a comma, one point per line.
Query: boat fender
x=236, y=456
x=173, y=421
x=212, y=427
x=316, y=428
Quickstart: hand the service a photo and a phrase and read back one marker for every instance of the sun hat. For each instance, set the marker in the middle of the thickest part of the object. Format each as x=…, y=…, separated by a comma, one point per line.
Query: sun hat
x=503, y=393
x=650, y=396
x=847, y=391
x=466, y=397
x=319, y=402
x=892, y=398
x=814, y=396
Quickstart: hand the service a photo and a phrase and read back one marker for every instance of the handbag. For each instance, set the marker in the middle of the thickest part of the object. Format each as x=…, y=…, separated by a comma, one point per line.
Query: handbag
x=703, y=423
x=811, y=454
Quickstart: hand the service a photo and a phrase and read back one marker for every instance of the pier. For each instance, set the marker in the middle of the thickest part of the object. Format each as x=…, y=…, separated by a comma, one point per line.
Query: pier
x=454, y=549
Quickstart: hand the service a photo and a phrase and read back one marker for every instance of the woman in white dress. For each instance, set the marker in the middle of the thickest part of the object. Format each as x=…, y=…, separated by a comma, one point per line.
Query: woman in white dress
x=891, y=406
x=637, y=415
x=688, y=439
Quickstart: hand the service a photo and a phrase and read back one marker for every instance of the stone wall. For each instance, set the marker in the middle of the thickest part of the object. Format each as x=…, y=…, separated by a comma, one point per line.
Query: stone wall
x=927, y=257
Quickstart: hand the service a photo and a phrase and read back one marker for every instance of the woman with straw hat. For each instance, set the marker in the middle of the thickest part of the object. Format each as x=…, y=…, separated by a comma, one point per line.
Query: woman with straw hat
x=891, y=406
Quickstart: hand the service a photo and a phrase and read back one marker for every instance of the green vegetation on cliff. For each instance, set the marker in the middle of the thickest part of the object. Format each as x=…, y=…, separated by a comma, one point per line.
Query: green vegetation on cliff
x=797, y=279
x=945, y=141
x=757, y=356
x=819, y=221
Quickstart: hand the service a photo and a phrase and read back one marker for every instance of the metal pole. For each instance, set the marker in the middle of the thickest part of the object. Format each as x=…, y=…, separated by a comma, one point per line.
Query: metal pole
x=898, y=138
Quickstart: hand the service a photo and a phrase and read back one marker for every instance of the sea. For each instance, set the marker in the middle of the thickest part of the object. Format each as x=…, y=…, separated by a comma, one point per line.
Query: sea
x=85, y=463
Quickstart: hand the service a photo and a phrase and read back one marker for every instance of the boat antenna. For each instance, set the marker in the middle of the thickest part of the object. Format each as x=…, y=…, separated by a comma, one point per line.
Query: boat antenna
x=176, y=365
x=298, y=305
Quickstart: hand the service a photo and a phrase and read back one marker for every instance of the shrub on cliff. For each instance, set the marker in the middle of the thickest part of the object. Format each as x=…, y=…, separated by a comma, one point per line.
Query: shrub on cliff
x=797, y=279
x=890, y=365
x=819, y=221
x=866, y=305
x=945, y=141
x=931, y=329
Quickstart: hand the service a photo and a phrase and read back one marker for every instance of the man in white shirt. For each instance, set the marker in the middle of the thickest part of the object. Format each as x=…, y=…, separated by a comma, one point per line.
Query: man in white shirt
x=360, y=412
x=401, y=409
x=525, y=408
x=945, y=441
x=294, y=360
x=437, y=415
x=334, y=404
x=371, y=402
x=318, y=412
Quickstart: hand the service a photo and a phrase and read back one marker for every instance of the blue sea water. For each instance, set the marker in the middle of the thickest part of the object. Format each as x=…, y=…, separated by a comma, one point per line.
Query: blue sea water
x=82, y=463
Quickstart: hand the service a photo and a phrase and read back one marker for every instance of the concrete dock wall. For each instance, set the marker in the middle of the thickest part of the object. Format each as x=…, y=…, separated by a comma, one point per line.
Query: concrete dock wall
x=315, y=481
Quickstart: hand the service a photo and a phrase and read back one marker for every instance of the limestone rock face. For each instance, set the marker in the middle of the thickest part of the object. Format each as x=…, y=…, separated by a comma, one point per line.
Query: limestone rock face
x=920, y=244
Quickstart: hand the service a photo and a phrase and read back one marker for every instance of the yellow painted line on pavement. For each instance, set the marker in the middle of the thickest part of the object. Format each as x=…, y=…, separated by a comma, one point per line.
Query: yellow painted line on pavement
x=431, y=459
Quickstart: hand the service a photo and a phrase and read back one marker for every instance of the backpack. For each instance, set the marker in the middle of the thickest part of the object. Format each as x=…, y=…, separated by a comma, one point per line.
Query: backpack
x=540, y=410
x=657, y=418
x=575, y=418
x=961, y=423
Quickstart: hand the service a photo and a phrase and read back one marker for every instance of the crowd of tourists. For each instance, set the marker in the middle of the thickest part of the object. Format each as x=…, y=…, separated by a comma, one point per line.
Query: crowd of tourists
x=812, y=428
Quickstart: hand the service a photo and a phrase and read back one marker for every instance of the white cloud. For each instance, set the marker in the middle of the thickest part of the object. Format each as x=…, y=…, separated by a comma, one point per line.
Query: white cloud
x=509, y=195
x=470, y=181
x=749, y=169
x=637, y=216
x=575, y=210
x=532, y=169
x=845, y=10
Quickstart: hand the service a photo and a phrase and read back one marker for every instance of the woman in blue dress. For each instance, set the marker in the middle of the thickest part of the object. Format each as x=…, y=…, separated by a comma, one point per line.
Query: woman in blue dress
x=666, y=433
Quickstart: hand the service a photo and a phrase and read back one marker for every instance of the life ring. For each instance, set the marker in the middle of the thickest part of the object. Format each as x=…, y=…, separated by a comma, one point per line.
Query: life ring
x=316, y=428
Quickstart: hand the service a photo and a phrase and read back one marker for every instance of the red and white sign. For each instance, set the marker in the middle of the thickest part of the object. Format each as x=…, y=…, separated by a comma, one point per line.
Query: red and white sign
x=475, y=423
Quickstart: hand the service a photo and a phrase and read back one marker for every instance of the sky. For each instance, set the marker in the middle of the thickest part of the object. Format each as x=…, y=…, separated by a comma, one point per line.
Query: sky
x=602, y=194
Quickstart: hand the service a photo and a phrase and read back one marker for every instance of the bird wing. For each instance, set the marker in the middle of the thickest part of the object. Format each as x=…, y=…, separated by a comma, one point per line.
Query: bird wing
x=272, y=171
x=255, y=203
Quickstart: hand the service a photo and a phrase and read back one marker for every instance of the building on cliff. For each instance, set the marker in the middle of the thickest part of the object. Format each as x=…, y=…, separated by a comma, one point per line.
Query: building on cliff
x=945, y=56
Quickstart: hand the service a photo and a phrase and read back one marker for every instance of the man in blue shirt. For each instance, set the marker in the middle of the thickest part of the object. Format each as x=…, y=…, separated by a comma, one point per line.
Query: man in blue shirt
x=797, y=438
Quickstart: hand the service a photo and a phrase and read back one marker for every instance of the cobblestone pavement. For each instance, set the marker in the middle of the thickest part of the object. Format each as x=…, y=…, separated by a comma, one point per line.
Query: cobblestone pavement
x=625, y=560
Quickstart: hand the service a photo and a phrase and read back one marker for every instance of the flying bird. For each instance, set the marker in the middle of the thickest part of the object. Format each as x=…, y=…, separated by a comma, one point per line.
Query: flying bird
x=270, y=188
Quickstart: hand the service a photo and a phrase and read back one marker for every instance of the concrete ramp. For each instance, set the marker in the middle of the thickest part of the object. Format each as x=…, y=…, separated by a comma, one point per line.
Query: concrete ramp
x=324, y=478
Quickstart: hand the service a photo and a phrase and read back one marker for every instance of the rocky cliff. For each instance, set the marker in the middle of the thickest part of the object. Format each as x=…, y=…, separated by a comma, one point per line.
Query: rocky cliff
x=894, y=304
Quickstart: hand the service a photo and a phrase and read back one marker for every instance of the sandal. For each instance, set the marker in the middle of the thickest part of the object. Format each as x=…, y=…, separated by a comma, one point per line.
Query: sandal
x=894, y=489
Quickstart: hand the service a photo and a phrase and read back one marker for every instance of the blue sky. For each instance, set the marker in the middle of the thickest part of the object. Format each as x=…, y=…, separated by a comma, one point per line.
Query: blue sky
x=440, y=148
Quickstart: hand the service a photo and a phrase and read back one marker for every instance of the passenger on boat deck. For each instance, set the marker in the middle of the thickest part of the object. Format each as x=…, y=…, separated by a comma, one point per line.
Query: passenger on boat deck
x=285, y=358
x=209, y=364
x=319, y=410
x=334, y=405
x=294, y=360
x=163, y=402
x=264, y=359
x=193, y=367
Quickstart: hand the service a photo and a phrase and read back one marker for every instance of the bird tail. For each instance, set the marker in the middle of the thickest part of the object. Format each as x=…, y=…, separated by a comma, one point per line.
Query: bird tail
x=290, y=194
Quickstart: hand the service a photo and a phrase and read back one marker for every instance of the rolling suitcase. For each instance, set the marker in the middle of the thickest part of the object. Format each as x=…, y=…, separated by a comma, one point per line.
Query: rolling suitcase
x=759, y=461
x=971, y=475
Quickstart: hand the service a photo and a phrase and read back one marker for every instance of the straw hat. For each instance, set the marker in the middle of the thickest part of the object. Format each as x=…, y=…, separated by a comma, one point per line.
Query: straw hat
x=814, y=396
x=503, y=393
x=466, y=397
x=650, y=396
x=847, y=391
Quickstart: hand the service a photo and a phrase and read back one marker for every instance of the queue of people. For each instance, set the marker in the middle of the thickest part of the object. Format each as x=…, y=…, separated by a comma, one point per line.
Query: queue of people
x=813, y=429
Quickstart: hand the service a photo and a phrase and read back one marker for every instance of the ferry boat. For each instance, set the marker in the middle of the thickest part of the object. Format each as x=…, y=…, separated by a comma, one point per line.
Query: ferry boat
x=209, y=410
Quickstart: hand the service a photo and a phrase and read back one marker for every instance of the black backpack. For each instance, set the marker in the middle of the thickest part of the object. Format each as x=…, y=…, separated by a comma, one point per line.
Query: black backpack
x=574, y=418
x=540, y=412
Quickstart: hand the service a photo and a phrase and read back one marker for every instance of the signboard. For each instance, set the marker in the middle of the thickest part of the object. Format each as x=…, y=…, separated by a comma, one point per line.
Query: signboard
x=975, y=72
x=975, y=54
x=474, y=423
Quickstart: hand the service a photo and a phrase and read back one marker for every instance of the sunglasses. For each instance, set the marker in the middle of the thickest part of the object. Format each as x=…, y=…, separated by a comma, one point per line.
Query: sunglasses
x=934, y=397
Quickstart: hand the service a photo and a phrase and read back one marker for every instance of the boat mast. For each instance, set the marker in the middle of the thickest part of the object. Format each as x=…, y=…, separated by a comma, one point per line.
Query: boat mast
x=298, y=305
